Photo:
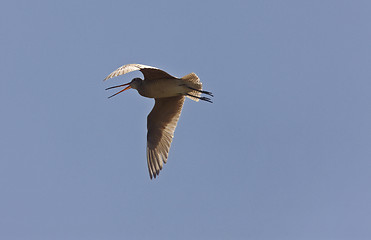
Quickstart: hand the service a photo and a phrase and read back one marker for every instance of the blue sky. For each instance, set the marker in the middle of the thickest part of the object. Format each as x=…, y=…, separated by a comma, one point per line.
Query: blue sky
x=284, y=152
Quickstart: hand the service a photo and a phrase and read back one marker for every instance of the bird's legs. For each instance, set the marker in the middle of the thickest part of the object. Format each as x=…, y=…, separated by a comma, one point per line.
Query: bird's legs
x=194, y=89
x=201, y=91
x=201, y=98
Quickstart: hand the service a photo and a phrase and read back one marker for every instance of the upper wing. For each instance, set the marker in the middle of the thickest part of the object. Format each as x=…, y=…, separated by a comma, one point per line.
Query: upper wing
x=150, y=73
x=161, y=123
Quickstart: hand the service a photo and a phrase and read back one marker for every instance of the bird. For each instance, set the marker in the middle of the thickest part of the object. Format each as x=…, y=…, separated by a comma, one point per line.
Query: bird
x=169, y=93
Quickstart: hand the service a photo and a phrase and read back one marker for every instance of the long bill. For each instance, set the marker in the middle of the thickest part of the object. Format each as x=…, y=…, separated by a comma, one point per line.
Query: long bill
x=128, y=87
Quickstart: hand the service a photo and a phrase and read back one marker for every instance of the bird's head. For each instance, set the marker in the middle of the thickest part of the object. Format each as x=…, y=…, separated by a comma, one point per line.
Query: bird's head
x=135, y=83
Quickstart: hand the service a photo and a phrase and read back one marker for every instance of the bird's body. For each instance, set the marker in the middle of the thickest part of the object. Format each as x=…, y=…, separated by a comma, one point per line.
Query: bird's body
x=169, y=93
x=163, y=88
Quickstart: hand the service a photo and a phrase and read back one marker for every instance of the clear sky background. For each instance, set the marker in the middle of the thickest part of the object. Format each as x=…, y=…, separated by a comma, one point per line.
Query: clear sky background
x=284, y=152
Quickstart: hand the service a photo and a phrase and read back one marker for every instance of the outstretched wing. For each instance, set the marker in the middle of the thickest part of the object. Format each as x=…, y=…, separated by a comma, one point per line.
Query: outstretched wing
x=161, y=124
x=150, y=73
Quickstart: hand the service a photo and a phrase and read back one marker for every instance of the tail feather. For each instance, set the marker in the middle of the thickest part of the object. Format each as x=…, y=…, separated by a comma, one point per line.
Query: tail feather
x=193, y=81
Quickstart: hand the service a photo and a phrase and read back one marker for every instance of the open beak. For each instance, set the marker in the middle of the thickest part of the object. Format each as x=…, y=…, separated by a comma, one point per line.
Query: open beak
x=128, y=87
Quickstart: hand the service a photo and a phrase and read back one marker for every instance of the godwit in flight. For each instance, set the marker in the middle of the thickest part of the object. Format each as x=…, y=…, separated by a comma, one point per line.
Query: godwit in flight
x=169, y=93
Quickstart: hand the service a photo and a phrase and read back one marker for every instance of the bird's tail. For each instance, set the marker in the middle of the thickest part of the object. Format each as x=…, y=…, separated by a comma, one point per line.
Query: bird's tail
x=194, y=82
